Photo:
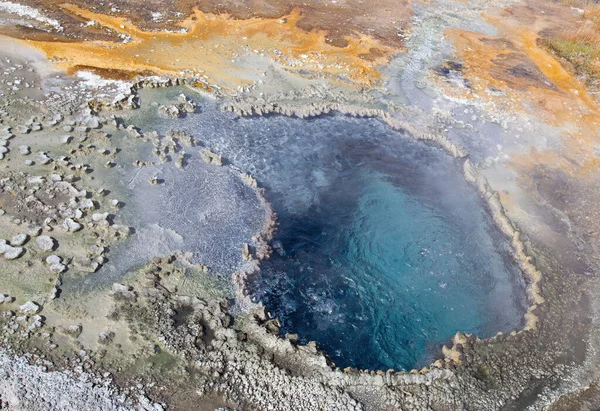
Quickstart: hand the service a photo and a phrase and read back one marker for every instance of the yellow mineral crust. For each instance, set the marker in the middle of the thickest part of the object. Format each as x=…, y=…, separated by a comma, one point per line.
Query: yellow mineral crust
x=532, y=82
x=227, y=51
x=494, y=62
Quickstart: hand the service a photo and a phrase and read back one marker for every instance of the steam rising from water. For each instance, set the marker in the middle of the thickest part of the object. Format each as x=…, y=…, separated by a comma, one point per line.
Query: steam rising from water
x=383, y=251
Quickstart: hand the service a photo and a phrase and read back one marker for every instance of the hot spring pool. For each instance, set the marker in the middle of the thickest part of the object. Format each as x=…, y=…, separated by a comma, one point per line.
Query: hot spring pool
x=383, y=251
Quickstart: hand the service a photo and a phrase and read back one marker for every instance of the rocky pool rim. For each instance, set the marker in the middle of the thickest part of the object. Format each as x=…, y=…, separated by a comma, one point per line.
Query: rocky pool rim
x=518, y=250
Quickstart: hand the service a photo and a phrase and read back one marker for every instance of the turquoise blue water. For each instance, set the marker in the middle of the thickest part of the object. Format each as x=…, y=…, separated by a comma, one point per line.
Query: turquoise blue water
x=380, y=276
x=383, y=251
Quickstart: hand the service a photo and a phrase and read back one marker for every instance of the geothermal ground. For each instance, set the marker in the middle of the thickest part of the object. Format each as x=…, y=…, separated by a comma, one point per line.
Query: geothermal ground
x=299, y=205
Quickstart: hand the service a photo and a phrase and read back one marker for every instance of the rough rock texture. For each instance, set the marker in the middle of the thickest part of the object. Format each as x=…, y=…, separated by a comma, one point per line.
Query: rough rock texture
x=249, y=365
x=45, y=243
x=29, y=387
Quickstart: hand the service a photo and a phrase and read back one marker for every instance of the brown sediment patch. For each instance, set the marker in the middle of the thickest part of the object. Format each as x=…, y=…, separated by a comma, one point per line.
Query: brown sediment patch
x=518, y=72
x=18, y=31
x=374, y=54
x=217, y=46
x=498, y=42
x=72, y=27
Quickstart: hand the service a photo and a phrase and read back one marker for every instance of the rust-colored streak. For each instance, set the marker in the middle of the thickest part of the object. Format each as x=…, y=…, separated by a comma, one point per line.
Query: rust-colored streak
x=382, y=21
x=515, y=73
x=220, y=47
x=528, y=75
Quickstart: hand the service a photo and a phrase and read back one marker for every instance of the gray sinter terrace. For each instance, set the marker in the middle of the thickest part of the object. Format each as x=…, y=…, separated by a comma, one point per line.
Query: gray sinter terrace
x=383, y=251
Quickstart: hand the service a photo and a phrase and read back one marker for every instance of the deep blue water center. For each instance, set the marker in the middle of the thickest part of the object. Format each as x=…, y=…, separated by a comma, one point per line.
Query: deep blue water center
x=391, y=260
x=383, y=251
